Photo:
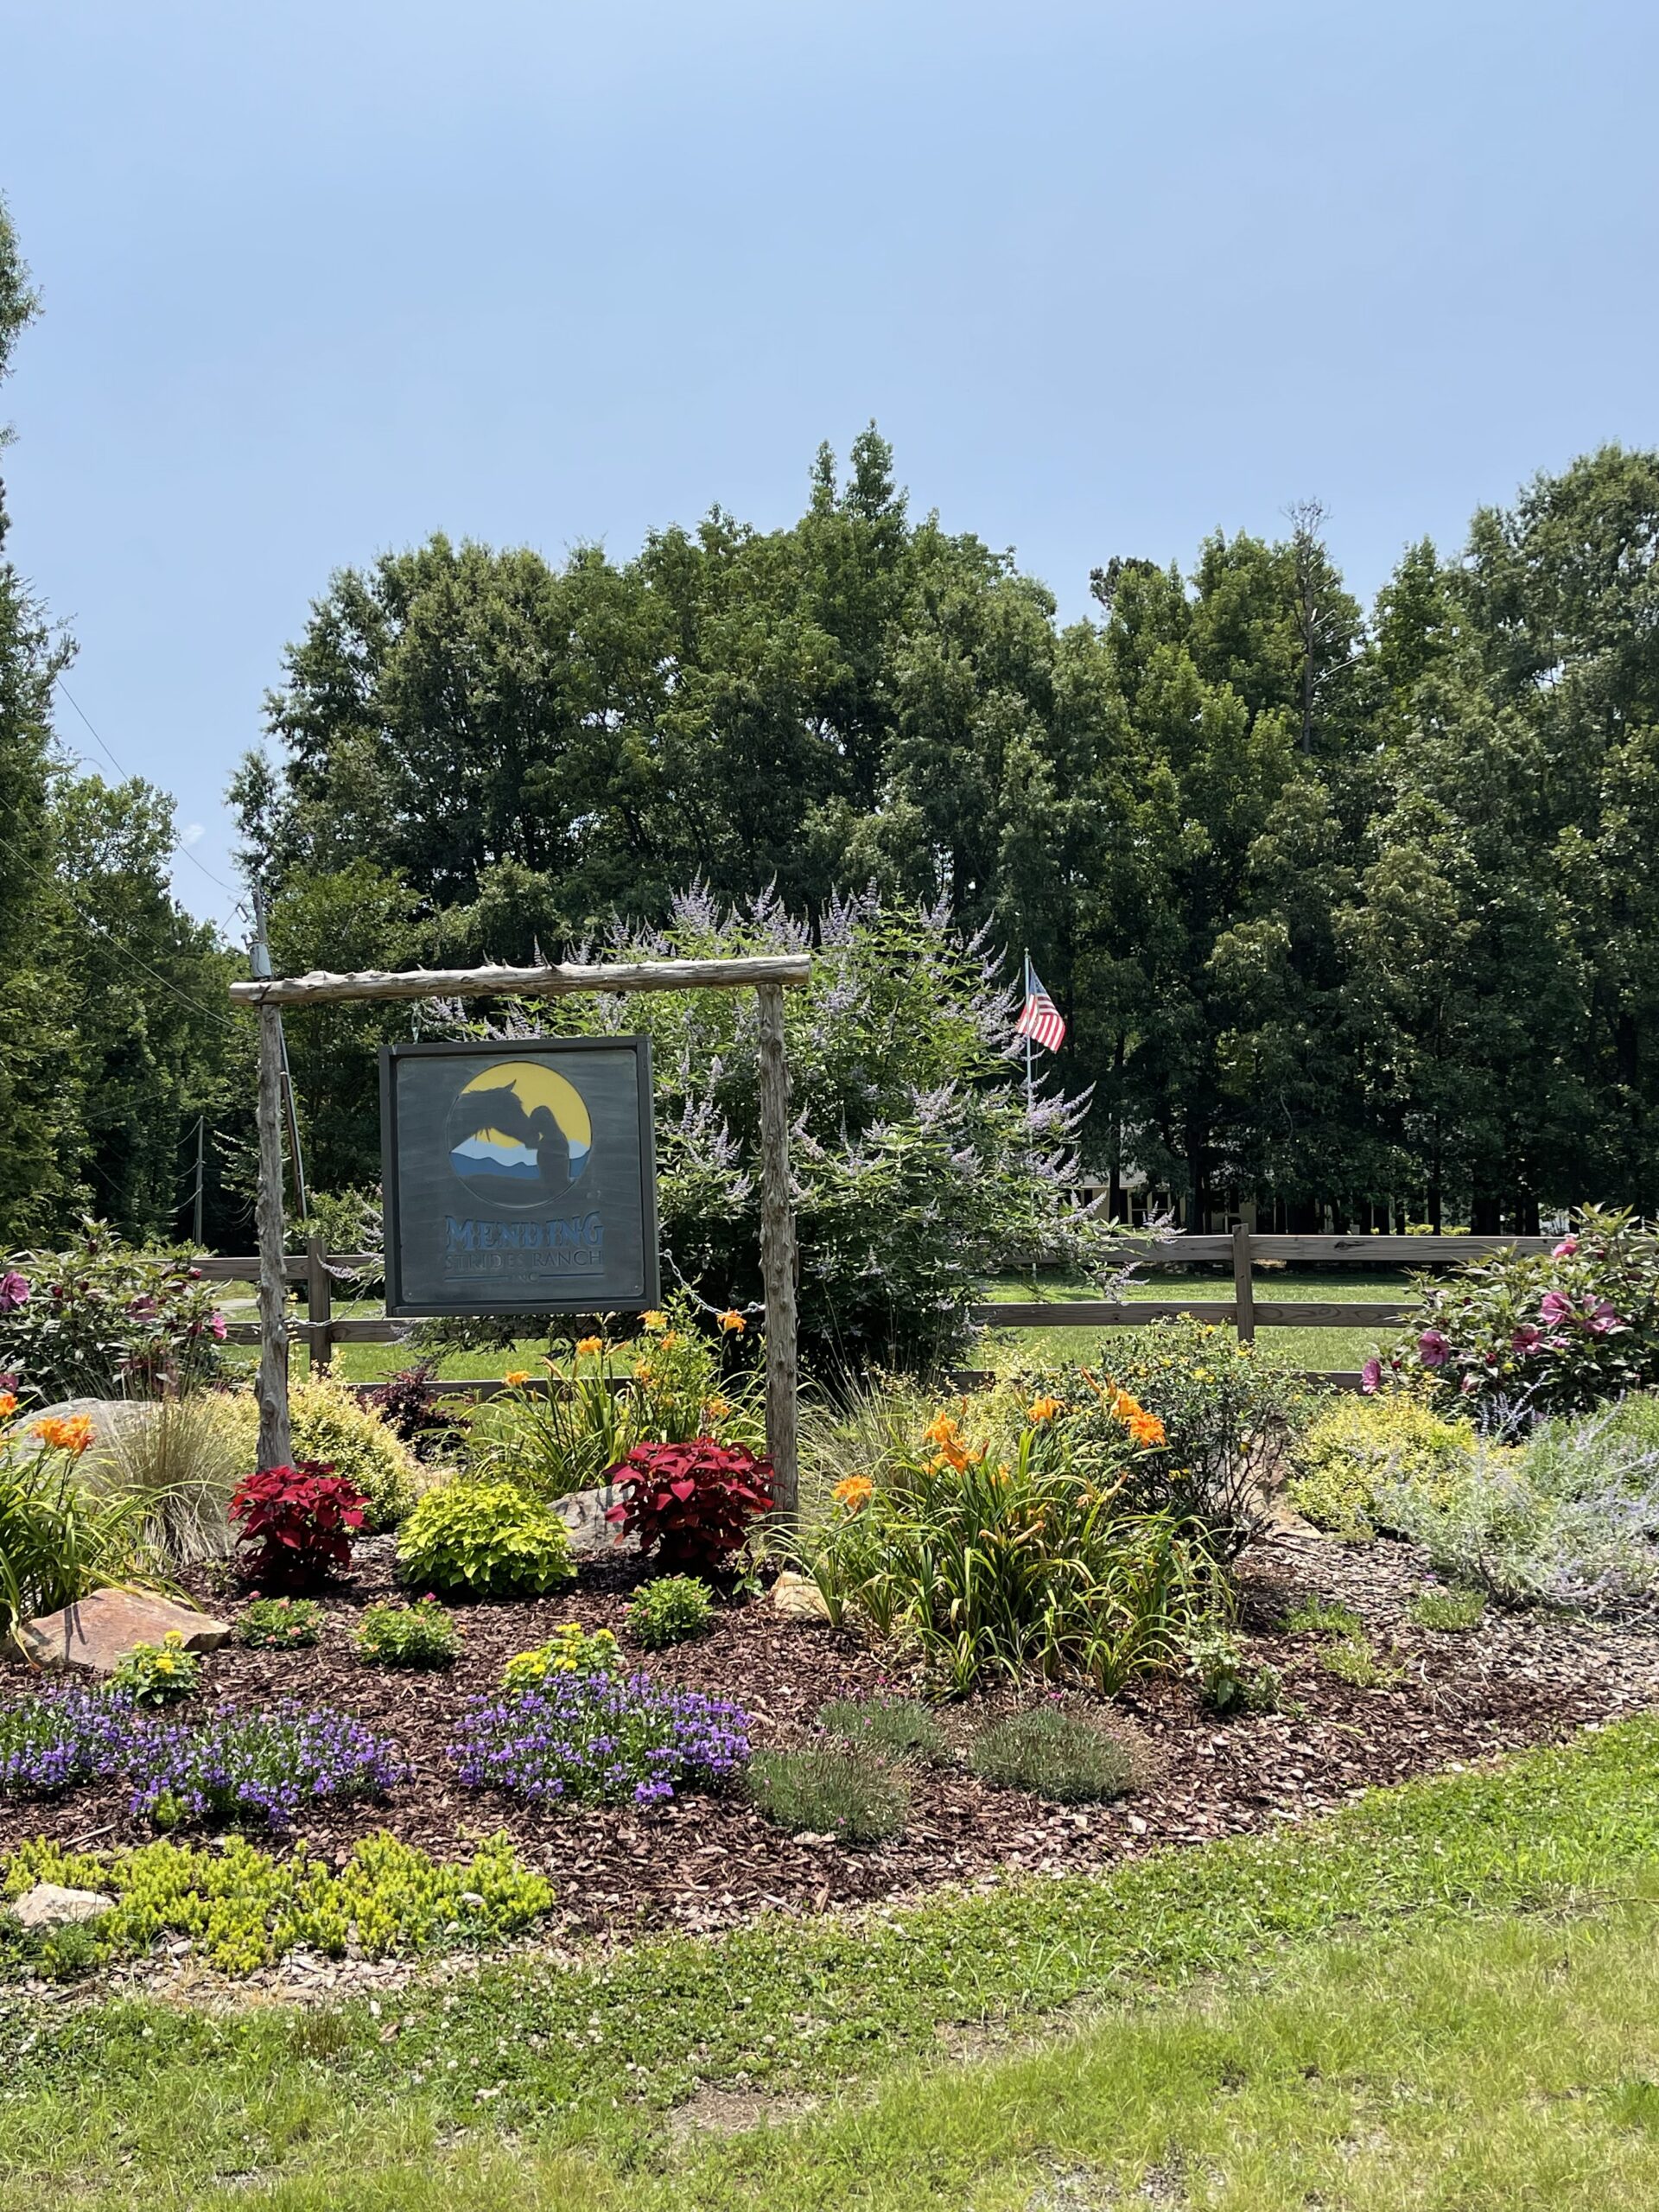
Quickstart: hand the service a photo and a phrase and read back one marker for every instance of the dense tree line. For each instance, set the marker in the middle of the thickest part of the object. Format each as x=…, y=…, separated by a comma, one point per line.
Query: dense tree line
x=1348, y=912
x=114, y=1041
x=1353, y=912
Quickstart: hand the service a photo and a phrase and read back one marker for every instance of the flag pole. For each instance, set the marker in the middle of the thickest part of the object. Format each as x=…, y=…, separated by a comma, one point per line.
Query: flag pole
x=1029, y=1104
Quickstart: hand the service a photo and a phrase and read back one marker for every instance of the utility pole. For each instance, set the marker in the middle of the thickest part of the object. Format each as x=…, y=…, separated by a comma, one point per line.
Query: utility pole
x=196, y=1206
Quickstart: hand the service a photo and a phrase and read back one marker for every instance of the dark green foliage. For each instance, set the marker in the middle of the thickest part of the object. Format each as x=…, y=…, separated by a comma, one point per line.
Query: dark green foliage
x=1054, y=1753
x=845, y=1790
x=896, y=1728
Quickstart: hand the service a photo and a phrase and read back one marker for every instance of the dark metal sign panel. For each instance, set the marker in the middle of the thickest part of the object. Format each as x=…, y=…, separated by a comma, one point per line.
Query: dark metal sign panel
x=519, y=1178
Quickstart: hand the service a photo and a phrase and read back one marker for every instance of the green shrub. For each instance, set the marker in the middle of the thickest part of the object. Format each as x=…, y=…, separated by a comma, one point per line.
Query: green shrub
x=895, y=1728
x=484, y=1540
x=569, y=1650
x=841, y=1790
x=1226, y=1680
x=668, y=1611
x=1054, y=1753
x=334, y=1427
x=1359, y=1443
x=1449, y=1610
x=408, y=1636
x=280, y=1624
x=1522, y=1335
x=1230, y=1420
x=102, y=1321
x=240, y=1909
x=1322, y=1616
x=158, y=1674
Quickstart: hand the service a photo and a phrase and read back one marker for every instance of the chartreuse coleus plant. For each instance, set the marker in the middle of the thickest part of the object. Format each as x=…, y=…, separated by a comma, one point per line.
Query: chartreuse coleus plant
x=484, y=1540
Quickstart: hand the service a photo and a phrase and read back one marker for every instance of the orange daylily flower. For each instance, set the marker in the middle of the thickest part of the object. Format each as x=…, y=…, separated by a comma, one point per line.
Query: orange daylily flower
x=8, y=1403
x=1042, y=1409
x=733, y=1322
x=589, y=1343
x=73, y=1434
x=853, y=1491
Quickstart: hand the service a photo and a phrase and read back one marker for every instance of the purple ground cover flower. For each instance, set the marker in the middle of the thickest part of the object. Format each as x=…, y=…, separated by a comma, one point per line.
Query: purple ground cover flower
x=589, y=1739
x=49, y=1743
x=266, y=1766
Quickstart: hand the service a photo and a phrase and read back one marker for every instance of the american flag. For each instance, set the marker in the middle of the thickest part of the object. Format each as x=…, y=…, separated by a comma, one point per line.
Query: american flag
x=1039, y=1018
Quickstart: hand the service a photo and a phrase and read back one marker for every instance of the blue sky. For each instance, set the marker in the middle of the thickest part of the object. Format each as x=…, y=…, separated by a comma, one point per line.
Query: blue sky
x=319, y=280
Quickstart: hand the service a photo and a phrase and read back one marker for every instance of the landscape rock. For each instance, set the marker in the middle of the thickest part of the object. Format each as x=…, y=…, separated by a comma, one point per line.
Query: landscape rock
x=798, y=1599
x=583, y=1513
x=95, y=1634
x=46, y=1906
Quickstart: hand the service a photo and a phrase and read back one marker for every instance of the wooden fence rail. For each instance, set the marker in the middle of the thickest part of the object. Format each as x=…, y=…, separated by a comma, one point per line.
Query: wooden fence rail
x=314, y=1271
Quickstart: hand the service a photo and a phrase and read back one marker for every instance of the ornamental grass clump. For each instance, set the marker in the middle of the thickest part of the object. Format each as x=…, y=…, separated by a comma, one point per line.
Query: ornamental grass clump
x=408, y=1635
x=62, y=1737
x=893, y=1728
x=845, y=1790
x=591, y=1740
x=1054, y=1753
x=264, y=1767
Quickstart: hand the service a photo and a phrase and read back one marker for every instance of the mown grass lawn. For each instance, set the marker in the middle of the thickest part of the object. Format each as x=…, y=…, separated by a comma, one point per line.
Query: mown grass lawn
x=1319, y=1349
x=1447, y=1995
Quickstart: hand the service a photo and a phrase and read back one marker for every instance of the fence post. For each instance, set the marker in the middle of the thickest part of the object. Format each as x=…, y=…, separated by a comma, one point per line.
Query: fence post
x=1243, y=1285
x=319, y=1307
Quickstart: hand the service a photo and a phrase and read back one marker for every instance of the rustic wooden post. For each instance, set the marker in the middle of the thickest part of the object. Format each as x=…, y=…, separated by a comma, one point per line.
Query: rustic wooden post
x=275, y=1446
x=1243, y=1285
x=319, y=1307
x=778, y=1254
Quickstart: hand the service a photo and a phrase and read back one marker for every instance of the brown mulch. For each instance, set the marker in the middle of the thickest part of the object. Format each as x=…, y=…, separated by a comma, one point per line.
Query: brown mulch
x=708, y=1862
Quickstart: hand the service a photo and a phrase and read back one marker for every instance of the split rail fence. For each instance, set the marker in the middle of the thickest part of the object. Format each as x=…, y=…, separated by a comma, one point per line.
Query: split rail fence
x=316, y=1271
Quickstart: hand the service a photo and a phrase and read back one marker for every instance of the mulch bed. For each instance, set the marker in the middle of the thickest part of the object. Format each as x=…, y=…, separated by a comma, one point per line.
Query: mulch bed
x=708, y=1862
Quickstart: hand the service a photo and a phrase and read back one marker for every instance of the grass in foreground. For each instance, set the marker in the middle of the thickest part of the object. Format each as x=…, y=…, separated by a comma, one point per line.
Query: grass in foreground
x=531, y=2084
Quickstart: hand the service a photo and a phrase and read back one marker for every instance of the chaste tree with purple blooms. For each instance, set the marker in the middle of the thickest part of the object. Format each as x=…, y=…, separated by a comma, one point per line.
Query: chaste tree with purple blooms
x=920, y=1164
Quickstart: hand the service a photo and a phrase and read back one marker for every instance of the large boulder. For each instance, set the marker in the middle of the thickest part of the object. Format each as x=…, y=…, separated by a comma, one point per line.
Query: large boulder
x=95, y=1633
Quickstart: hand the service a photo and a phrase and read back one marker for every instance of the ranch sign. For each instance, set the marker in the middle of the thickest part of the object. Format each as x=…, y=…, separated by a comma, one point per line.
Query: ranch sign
x=519, y=1178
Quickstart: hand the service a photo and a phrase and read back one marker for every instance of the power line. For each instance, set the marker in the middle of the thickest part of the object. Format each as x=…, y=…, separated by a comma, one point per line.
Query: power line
x=179, y=847
x=54, y=883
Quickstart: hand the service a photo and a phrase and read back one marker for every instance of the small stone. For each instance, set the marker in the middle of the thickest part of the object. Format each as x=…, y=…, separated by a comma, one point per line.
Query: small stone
x=95, y=1634
x=798, y=1598
x=46, y=1906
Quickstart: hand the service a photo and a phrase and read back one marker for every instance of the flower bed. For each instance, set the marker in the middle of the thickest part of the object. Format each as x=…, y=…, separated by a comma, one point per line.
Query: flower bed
x=590, y=1739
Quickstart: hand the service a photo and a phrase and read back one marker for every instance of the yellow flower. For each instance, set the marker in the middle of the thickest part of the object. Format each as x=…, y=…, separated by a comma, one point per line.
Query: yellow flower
x=671, y=1340
x=717, y=1408
x=733, y=1322
x=517, y=1378
x=853, y=1491
x=654, y=1321
x=643, y=1370
x=1042, y=1409
x=589, y=1343
x=73, y=1434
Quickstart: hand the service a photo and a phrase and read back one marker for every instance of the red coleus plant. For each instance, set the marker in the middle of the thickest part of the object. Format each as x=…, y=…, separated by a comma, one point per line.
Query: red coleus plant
x=302, y=1517
x=691, y=1503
